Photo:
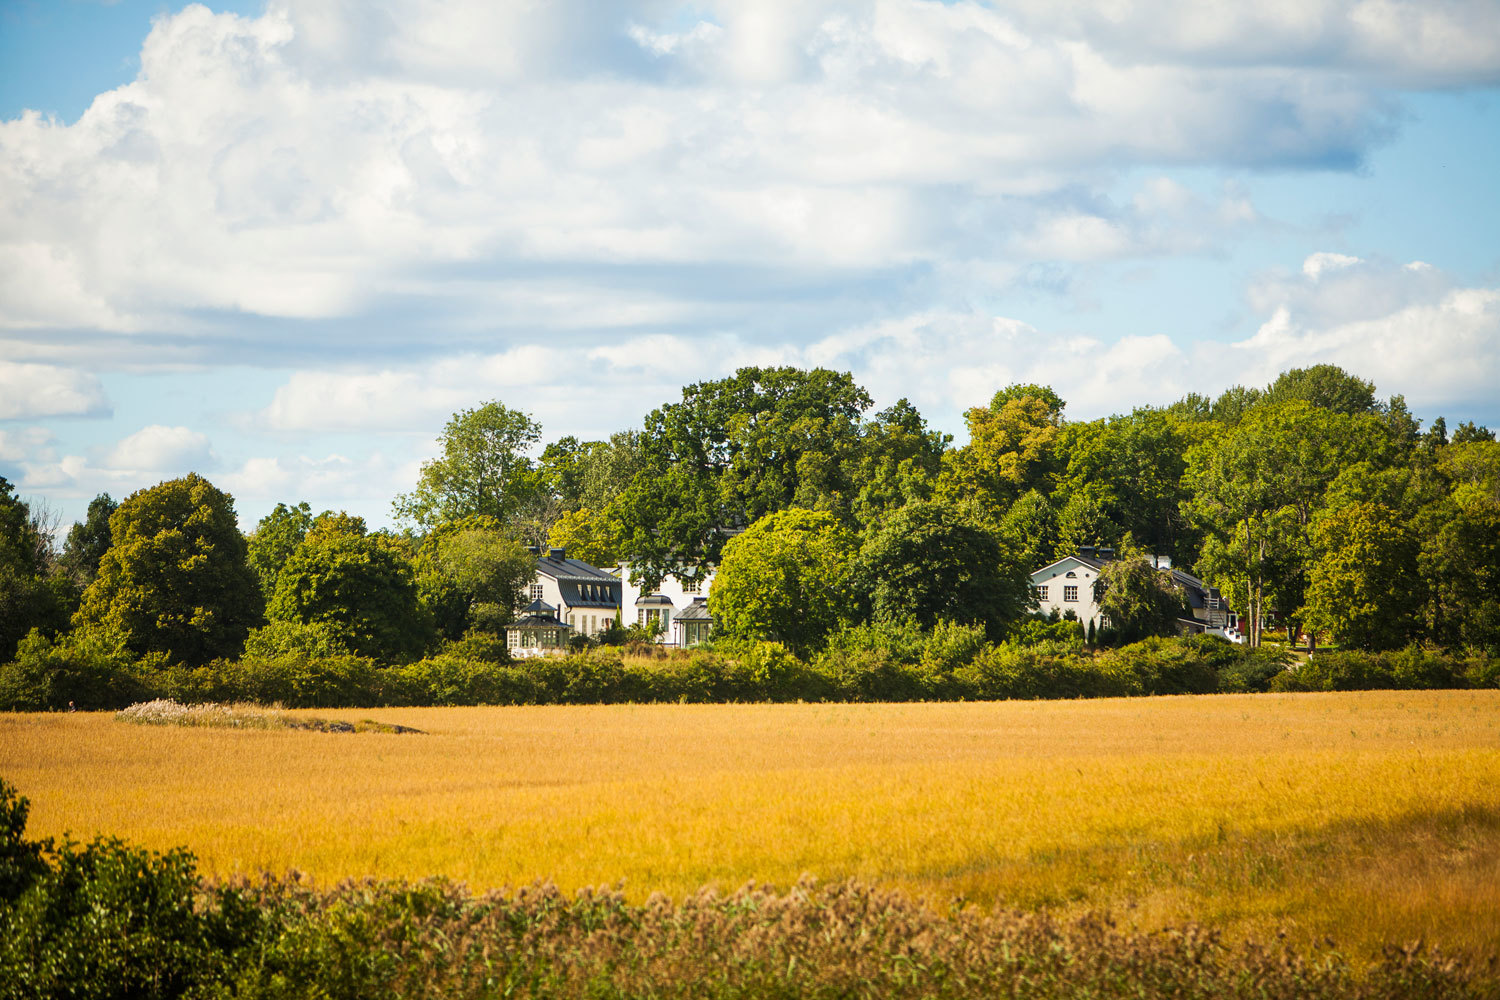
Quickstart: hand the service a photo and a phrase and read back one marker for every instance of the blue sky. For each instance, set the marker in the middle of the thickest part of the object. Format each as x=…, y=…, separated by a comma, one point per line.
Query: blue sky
x=280, y=243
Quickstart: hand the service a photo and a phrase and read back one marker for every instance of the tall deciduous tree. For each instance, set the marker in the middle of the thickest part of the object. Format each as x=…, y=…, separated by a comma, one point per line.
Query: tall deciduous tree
x=1012, y=449
x=732, y=451
x=1365, y=586
x=483, y=469
x=930, y=561
x=785, y=579
x=471, y=574
x=361, y=584
x=30, y=596
x=1138, y=599
x=276, y=537
x=174, y=580
x=88, y=540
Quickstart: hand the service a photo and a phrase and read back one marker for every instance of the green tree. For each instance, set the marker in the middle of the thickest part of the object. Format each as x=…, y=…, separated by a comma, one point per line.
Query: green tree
x=1030, y=529
x=30, y=596
x=483, y=469
x=899, y=461
x=785, y=579
x=930, y=561
x=1365, y=586
x=88, y=540
x=1328, y=386
x=1012, y=449
x=732, y=451
x=1459, y=563
x=276, y=537
x=174, y=581
x=471, y=574
x=593, y=536
x=361, y=584
x=1468, y=433
x=1138, y=599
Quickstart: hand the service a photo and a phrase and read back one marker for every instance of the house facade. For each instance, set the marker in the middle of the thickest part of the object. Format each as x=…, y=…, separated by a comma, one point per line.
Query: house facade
x=1072, y=584
x=583, y=598
x=677, y=607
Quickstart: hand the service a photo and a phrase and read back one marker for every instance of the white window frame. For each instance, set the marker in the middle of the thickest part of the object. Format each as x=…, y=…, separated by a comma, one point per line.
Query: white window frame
x=1070, y=595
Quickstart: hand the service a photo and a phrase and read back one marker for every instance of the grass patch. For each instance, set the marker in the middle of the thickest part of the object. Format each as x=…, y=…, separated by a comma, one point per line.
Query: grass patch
x=166, y=712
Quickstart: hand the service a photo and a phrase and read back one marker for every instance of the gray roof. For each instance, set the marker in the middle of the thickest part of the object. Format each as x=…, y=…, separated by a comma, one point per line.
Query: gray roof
x=695, y=612
x=573, y=571
x=653, y=601
x=601, y=593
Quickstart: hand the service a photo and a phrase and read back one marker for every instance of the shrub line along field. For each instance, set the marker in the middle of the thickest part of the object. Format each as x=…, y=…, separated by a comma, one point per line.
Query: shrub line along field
x=1373, y=818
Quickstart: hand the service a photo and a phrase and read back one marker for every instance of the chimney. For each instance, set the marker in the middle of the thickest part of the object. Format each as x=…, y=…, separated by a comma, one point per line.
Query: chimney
x=1087, y=551
x=533, y=550
x=558, y=554
x=1106, y=552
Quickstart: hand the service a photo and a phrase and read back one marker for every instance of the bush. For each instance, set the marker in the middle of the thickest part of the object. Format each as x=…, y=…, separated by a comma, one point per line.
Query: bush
x=89, y=668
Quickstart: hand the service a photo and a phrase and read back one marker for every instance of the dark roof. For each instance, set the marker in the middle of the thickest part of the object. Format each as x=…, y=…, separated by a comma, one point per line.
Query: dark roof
x=573, y=571
x=652, y=601
x=539, y=607
x=695, y=612
x=538, y=621
x=606, y=593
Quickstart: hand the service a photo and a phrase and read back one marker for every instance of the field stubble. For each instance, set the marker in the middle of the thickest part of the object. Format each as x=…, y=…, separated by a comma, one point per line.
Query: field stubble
x=1373, y=818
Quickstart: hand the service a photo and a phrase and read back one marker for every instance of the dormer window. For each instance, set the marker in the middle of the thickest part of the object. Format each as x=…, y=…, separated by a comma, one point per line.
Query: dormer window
x=1072, y=575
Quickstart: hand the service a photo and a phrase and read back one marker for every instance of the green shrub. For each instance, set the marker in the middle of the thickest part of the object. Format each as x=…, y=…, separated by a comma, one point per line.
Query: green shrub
x=88, y=667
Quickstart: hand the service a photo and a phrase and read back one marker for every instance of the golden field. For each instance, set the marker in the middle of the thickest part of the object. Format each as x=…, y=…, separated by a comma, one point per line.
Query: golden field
x=1372, y=818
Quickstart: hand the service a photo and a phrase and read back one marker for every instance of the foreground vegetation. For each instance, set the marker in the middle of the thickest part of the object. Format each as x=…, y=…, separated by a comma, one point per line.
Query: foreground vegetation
x=1371, y=818
x=105, y=919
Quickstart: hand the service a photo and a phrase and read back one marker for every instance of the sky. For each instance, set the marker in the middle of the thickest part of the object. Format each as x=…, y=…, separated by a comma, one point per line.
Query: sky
x=281, y=242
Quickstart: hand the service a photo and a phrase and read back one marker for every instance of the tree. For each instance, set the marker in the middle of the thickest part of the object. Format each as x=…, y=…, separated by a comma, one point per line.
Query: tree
x=174, y=581
x=30, y=596
x=1011, y=449
x=1468, y=433
x=1328, y=386
x=786, y=579
x=732, y=451
x=361, y=584
x=899, y=461
x=276, y=537
x=930, y=561
x=88, y=540
x=1255, y=489
x=483, y=469
x=592, y=536
x=1365, y=587
x=1138, y=599
x=471, y=574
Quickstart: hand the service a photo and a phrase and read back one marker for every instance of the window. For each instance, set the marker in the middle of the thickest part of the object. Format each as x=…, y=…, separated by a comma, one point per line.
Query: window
x=1070, y=593
x=1041, y=593
x=1072, y=575
x=536, y=591
x=692, y=586
x=572, y=623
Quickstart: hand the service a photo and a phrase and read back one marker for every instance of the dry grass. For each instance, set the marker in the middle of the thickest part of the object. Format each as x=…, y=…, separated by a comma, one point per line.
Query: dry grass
x=166, y=712
x=1370, y=817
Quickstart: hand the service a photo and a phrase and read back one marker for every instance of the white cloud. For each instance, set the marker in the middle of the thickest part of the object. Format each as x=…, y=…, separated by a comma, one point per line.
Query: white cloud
x=22, y=444
x=170, y=451
x=304, y=163
x=1409, y=330
x=29, y=391
x=1322, y=261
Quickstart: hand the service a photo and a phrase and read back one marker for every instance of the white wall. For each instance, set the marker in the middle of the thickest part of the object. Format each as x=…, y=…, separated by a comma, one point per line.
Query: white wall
x=671, y=588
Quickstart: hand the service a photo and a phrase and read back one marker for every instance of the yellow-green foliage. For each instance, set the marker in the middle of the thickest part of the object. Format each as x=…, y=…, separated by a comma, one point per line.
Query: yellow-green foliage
x=1371, y=817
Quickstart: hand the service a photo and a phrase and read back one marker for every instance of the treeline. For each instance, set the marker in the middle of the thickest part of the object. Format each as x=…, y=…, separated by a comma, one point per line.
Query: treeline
x=1309, y=502
x=861, y=664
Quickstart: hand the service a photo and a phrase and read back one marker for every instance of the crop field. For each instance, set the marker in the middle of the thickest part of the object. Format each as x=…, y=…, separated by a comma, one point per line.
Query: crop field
x=1371, y=818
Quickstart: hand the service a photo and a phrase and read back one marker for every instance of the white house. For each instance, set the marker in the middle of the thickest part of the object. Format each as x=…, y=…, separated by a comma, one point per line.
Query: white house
x=1072, y=584
x=584, y=598
x=678, y=605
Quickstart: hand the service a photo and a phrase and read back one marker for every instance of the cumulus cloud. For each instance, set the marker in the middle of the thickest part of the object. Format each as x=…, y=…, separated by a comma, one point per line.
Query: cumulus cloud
x=303, y=163
x=29, y=391
x=1409, y=328
x=158, y=449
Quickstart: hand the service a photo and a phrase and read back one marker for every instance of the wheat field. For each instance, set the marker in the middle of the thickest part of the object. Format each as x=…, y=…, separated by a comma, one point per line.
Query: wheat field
x=1372, y=818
